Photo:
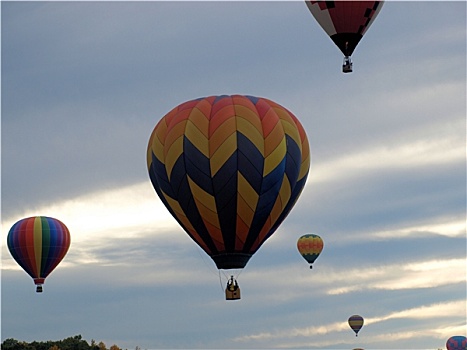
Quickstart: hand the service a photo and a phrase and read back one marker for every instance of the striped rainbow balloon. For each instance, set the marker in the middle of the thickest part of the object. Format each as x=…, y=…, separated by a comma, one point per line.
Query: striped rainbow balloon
x=38, y=244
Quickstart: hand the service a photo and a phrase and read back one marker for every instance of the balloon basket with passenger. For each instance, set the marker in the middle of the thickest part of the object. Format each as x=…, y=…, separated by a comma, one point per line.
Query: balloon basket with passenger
x=347, y=65
x=232, y=290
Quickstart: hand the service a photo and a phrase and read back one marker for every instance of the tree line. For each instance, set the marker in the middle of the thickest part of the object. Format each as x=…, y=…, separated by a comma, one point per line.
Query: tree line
x=71, y=343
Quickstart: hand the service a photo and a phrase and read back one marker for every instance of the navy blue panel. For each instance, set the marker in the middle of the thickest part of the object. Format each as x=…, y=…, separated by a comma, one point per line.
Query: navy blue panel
x=293, y=160
x=231, y=260
x=224, y=176
x=178, y=176
x=265, y=204
x=227, y=215
x=274, y=177
x=225, y=188
x=220, y=98
x=250, y=162
x=187, y=203
x=158, y=176
x=197, y=166
x=253, y=99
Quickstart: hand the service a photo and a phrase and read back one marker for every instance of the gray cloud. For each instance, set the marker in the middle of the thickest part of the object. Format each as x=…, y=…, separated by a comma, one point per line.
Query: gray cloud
x=84, y=83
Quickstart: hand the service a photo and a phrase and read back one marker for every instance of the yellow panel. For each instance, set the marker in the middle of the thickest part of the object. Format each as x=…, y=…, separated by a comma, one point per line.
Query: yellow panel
x=216, y=236
x=275, y=136
x=173, y=153
x=38, y=243
x=246, y=113
x=291, y=130
x=256, y=137
x=199, y=119
x=271, y=162
x=174, y=134
x=228, y=147
x=207, y=215
x=206, y=205
x=202, y=196
x=241, y=230
x=197, y=137
x=174, y=205
x=161, y=129
x=156, y=148
x=276, y=210
x=223, y=131
x=286, y=191
x=304, y=167
x=249, y=199
x=284, y=195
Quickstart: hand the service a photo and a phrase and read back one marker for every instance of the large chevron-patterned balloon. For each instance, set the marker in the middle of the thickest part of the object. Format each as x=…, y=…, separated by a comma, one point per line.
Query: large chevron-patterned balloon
x=229, y=169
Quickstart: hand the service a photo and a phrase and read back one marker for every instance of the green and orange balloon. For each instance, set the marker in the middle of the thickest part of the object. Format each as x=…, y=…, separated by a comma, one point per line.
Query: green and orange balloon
x=310, y=247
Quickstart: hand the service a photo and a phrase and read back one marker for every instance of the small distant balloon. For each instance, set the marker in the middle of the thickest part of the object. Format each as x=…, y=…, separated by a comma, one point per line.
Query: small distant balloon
x=457, y=342
x=38, y=244
x=356, y=323
x=310, y=246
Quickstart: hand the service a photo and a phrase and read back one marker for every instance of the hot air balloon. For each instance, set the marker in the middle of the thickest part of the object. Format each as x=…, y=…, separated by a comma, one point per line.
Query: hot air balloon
x=229, y=169
x=457, y=342
x=310, y=246
x=345, y=22
x=38, y=244
x=356, y=323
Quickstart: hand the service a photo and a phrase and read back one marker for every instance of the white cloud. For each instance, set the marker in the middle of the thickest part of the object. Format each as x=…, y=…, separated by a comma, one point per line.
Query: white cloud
x=433, y=152
x=438, y=310
x=115, y=213
x=451, y=228
x=422, y=274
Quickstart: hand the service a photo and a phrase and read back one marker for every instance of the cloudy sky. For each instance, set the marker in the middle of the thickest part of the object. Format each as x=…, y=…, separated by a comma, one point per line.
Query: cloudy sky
x=84, y=84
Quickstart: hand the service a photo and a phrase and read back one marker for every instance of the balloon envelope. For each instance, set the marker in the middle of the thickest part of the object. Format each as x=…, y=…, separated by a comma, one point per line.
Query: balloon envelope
x=356, y=323
x=229, y=169
x=310, y=246
x=457, y=342
x=345, y=21
x=38, y=244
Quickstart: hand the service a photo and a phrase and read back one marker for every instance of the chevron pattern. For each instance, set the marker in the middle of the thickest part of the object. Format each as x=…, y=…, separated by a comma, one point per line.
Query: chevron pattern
x=229, y=169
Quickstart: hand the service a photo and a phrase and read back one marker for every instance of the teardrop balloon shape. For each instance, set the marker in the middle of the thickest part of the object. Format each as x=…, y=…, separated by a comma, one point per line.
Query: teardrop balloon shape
x=229, y=169
x=38, y=244
x=356, y=323
x=310, y=247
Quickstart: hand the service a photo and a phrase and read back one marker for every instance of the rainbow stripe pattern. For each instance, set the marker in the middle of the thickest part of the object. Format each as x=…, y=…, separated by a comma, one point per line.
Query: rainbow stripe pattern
x=38, y=244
